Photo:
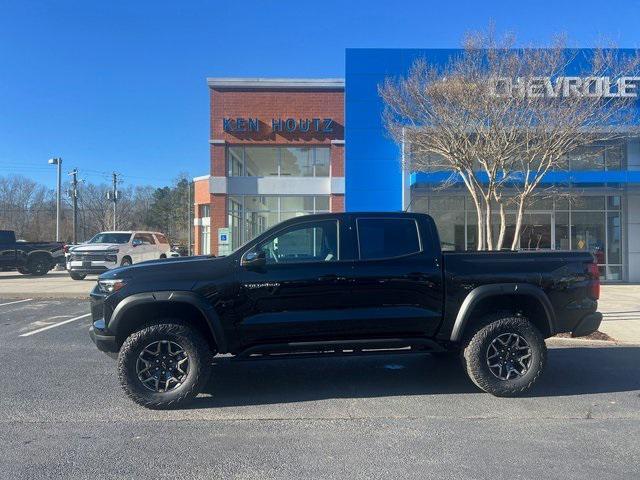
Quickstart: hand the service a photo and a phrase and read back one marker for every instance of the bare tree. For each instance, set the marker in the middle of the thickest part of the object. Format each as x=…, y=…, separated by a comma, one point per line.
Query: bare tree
x=500, y=118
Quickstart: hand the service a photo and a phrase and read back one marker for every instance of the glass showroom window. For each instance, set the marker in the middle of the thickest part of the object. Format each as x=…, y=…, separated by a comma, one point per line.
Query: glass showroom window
x=597, y=157
x=204, y=211
x=574, y=222
x=250, y=215
x=278, y=161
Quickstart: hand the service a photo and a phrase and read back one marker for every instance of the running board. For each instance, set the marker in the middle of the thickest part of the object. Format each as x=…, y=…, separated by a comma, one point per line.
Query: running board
x=382, y=346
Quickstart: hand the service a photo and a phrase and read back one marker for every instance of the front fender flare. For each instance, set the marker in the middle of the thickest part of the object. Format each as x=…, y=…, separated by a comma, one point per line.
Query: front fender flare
x=116, y=321
x=485, y=291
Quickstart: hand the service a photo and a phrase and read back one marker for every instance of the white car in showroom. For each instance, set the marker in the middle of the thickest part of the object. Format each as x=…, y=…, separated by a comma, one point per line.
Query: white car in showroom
x=108, y=250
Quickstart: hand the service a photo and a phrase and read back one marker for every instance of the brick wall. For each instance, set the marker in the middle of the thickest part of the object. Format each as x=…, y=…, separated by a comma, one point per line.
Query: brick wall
x=266, y=105
x=337, y=203
x=337, y=160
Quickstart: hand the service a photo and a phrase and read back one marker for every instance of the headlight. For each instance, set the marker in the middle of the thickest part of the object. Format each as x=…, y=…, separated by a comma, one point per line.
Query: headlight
x=113, y=250
x=110, y=286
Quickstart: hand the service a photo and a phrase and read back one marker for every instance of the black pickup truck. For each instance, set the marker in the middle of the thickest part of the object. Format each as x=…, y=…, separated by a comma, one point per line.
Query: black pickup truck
x=35, y=258
x=341, y=284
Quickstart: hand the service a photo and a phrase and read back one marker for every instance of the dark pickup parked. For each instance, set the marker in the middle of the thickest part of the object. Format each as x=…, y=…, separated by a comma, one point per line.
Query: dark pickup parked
x=341, y=284
x=35, y=258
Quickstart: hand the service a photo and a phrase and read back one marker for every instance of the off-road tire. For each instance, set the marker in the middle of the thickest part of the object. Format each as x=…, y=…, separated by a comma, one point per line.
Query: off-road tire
x=39, y=265
x=77, y=276
x=475, y=355
x=189, y=339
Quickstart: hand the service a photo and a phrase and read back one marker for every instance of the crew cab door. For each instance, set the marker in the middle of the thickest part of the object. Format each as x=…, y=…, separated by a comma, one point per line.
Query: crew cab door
x=396, y=278
x=7, y=248
x=300, y=291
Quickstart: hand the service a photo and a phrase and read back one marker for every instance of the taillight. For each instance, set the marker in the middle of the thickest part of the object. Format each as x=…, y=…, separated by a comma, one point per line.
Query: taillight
x=594, y=283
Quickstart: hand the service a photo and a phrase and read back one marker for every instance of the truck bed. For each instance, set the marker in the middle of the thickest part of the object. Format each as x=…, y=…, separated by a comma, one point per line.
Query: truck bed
x=562, y=275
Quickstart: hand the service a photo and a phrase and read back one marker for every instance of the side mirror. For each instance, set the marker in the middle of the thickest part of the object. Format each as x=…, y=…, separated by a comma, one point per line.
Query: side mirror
x=136, y=242
x=254, y=259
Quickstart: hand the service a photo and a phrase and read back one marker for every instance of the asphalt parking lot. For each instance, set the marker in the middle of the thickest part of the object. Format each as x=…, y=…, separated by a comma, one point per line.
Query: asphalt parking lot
x=64, y=414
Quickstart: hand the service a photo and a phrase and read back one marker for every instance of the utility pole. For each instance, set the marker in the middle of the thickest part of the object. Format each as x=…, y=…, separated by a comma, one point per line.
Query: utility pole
x=73, y=193
x=58, y=162
x=114, y=196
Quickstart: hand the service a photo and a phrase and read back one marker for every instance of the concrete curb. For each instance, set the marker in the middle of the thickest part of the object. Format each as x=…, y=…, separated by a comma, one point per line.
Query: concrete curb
x=557, y=341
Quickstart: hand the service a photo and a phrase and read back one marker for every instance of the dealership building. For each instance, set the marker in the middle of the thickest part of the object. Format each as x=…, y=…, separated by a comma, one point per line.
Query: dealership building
x=284, y=147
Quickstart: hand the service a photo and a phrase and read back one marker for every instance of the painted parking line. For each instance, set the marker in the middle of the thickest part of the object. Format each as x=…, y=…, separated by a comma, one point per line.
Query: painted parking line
x=17, y=301
x=54, y=325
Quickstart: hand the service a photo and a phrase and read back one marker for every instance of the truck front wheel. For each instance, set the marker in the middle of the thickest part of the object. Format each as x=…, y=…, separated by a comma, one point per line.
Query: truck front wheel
x=506, y=356
x=164, y=365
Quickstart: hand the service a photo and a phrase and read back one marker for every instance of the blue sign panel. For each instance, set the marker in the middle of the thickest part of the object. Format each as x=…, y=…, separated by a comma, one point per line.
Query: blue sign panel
x=373, y=160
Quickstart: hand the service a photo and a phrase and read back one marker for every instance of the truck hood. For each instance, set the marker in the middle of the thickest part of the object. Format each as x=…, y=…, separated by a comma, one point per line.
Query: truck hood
x=170, y=270
x=95, y=247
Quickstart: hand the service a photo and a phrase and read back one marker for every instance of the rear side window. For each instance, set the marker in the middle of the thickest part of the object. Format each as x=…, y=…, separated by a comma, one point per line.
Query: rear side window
x=148, y=239
x=387, y=237
x=161, y=238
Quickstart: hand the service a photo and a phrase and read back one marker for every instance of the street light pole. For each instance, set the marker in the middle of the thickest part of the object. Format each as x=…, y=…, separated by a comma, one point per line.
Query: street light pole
x=74, y=197
x=115, y=197
x=58, y=162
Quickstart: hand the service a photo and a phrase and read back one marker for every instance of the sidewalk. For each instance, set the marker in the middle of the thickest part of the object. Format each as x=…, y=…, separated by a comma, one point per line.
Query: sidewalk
x=620, y=306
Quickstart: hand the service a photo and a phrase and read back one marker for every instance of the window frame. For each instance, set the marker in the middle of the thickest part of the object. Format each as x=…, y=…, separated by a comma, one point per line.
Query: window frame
x=413, y=219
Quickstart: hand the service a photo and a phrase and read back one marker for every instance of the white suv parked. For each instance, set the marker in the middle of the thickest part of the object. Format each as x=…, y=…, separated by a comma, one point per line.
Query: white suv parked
x=109, y=250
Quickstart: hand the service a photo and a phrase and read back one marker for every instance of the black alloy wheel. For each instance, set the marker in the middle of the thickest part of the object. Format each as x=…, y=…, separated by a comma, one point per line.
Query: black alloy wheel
x=505, y=356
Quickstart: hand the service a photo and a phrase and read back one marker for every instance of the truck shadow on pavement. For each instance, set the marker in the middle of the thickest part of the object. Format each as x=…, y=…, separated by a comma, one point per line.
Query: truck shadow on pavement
x=570, y=371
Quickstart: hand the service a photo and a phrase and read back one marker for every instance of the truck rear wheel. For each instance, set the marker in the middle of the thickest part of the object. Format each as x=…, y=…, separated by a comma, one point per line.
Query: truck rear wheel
x=505, y=357
x=39, y=265
x=164, y=365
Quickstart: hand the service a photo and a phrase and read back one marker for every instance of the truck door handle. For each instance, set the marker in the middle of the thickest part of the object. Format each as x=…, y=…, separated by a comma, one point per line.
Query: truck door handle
x=330, y=277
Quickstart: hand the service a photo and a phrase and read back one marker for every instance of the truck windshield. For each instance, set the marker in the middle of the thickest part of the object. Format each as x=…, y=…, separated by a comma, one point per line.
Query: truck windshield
x=110, y=238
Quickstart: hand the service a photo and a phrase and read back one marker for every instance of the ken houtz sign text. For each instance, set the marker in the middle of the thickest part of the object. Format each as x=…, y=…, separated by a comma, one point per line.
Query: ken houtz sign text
x=321, y=125
x=556, y=87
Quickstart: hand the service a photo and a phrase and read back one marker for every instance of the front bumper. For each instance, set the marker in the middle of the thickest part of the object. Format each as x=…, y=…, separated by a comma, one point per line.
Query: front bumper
x=102, y=338
x=89, y=270
x=90, y=264
x=589, y=324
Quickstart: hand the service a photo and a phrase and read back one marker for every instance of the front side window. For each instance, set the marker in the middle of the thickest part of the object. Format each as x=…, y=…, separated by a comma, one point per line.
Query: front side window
x=387, y=237
x=309, y=242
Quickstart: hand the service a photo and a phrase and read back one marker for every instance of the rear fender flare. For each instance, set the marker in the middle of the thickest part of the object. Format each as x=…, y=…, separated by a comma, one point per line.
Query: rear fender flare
x=485, y=291
x=117, y=321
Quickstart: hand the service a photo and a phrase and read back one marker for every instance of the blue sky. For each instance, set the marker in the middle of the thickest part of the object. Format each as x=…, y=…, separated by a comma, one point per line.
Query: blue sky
x=121, y=85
